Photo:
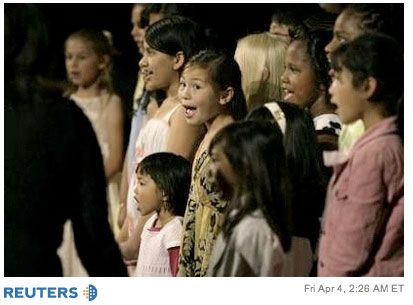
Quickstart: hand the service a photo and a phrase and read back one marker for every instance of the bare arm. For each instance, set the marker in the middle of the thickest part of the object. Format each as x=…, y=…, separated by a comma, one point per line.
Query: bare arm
x=130, y=248
x=115, y=136
x=183, y=138
x=124, y=184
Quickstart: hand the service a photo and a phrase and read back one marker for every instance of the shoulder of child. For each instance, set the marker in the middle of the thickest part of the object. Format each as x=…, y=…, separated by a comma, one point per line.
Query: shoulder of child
x=173, y=232
x=114, y=107
x=114, y=100
x=253, y=230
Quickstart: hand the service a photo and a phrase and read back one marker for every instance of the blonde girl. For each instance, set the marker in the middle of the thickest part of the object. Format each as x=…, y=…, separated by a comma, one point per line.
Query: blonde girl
x=261, y=60
x=87, y=60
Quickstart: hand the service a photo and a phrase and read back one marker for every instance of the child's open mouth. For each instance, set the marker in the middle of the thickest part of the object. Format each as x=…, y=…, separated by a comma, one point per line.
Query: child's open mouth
x=189, y=111
x=288, y=94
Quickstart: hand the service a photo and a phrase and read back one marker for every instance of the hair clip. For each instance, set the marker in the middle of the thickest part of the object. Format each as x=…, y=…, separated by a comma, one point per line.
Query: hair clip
x=278, y=115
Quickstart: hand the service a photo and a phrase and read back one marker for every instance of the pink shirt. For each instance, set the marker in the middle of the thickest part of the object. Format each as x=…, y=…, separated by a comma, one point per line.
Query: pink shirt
x=172, y=252
x=363, y=227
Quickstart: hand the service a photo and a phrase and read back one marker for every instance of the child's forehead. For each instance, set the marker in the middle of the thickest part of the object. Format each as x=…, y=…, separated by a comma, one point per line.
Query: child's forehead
x=79, y=41
x=337, y=65
x=195, y=70
x=142, y=174
x=299, y=48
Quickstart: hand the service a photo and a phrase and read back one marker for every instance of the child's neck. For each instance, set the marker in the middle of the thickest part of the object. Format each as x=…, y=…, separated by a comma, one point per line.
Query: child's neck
x=163, y=218
x=88, y=91
x=321, y=106
x=218, y=122
x=373, y=115
x=213, y=126
x=172, y=90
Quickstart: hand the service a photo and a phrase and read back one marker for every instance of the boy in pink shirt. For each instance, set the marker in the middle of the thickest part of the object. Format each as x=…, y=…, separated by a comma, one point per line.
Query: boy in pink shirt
x=362, y=230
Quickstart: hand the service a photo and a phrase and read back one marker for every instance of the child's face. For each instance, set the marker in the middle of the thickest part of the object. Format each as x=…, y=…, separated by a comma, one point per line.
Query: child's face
x=222, y=171
x=345, y=30
x=83, y=65
x=198, y=96
x=137, y=32
x=157, y=69
x=349, y=100
x=299, y=80
x=147, y=194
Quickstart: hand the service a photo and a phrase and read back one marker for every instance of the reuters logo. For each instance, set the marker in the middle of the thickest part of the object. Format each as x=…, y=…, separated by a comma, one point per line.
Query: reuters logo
x=90, y=292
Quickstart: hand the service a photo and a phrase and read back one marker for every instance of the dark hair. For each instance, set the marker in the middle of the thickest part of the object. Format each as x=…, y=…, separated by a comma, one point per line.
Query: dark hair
x=378, y=56
x=147, y=96
x=316, y=32
x=174, y=34
x=101, y=46
x=224, y=72
x=400, y=117
x=304, y=166
x=300, y=142
x=255, y=152
x=292, y=15
x=286, y=14
x=164, y=9
x=25, y=48
x=386, y=18
x=172, y=175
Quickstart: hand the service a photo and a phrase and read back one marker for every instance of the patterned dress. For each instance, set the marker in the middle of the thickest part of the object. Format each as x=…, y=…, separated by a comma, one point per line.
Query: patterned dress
x=203, y=219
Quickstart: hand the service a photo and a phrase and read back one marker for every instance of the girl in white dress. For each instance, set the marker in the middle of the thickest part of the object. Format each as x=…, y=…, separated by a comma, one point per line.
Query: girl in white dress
x=87, y=59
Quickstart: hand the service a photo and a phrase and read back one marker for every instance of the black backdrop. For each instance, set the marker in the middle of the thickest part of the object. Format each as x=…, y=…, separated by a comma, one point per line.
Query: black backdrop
x=230, y=20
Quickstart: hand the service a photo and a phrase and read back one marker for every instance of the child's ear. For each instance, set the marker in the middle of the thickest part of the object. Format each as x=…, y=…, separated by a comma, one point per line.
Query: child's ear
x=179, y=60
x=164, y=197
x=226, y=96
x=104, y=62
x=165, y=201
x=369, y=87
x=322, y=88
x=265, y=75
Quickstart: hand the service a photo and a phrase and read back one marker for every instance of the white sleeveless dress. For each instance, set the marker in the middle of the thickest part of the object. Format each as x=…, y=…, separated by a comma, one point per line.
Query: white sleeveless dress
x=95, y=110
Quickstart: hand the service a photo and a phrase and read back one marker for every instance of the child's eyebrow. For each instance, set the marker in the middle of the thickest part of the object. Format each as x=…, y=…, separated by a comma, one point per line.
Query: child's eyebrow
x=140, y=176
x=199, y=79
x=340, y=33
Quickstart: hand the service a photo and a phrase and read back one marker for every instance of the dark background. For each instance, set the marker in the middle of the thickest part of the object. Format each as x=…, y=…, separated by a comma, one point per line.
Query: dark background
x=230, y=21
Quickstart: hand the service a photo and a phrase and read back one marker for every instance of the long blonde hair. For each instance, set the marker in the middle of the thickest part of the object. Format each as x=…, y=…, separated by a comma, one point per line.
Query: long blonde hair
x=254, y=53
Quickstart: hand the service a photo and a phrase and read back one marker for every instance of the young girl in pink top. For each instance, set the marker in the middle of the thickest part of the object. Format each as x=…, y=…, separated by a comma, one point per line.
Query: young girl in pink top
x=362, y=230
x=163, y=186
